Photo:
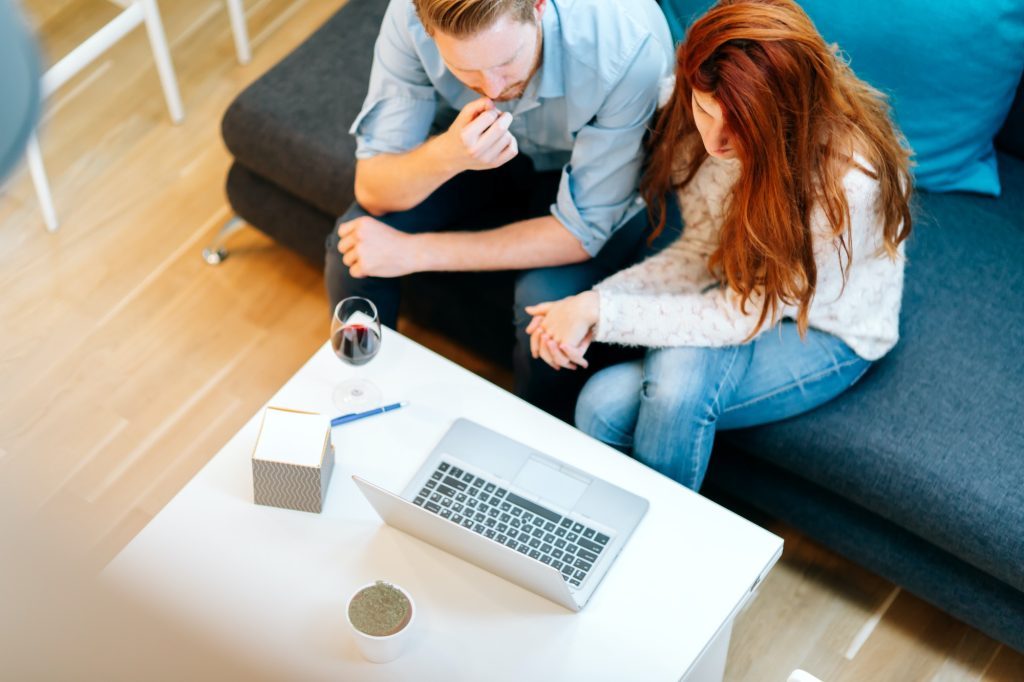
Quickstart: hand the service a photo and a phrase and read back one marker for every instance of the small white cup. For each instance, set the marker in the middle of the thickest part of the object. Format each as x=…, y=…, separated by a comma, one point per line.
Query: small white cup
x=388, y=647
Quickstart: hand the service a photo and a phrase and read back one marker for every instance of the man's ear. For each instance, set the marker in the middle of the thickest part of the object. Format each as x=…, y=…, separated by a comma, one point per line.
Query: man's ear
x=538, y=8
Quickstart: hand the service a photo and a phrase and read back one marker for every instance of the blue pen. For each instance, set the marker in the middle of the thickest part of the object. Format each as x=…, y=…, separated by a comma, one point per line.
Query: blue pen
x=346, y=418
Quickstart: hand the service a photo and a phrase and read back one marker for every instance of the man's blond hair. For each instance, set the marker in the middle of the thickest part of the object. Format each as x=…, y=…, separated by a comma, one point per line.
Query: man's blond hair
x=464, y=18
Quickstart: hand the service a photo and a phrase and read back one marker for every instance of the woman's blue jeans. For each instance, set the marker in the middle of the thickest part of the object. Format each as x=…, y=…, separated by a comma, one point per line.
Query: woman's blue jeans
x=665, y=409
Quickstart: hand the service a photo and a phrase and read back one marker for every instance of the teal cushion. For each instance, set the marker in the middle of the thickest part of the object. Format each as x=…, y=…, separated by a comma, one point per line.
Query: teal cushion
x=950, y=68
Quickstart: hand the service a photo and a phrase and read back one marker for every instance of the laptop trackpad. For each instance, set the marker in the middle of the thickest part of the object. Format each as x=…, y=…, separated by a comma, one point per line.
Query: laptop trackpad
x=546, y=481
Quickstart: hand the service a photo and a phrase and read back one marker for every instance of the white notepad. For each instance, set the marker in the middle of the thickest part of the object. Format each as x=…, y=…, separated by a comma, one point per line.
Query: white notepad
x=292, y=437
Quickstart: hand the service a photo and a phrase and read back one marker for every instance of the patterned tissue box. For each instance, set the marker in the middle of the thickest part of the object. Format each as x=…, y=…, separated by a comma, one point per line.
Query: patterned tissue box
x=292, y=460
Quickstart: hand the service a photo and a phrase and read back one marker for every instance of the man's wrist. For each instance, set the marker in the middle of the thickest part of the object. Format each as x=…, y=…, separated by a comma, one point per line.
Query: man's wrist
x=440, y=157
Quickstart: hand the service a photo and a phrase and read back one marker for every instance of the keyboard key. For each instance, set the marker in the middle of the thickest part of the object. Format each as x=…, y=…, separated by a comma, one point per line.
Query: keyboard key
x=527, y=516
x=467, y=522
x=489, y=488
x=588, y=533
x=524, y=537
x=460, y=497
x=535, y=508
x=582, y=565
x=556, y=564
x=571, y=549
x=534, y=554
x=478, y=528
x=443, y=466
x=446, y=513
x=467, y=477
x=431, y=485
x=537, y=532
x=457, y=518
x=479, y=517
x=567, y=569
x=492, y=512
x=516, y=523
x=545, y=559
x=535, y=543
x=471, y=503
x=502, y=527
x=546, y=548
x=548, y=537
x=601, y=539
x=437, y=475
x=489, y=533
x=490, y=523
x=419, y=501
x=505, y=518
x=501, y=537
x=454, y=483
x=456, y=507
x=565, y=523
x=577, y=527
x=435, y=497
x=591, y=546
x=501, y=492
x=575, y=582
x=560, y=532
x=477, y=483
x=586, y=556
x=495, y=501
x=430, y=506
x=580, y=575
x=557, y=553
x=483, y=507
x=516, y=511
x=522, y=549
x=572, y=537
x=547, y=526
x=560, y=543
x=511, y=544
x=445, y=502
x=456, y=472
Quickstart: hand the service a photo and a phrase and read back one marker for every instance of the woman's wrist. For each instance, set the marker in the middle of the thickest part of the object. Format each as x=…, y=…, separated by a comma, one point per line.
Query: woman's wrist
x=590, y=303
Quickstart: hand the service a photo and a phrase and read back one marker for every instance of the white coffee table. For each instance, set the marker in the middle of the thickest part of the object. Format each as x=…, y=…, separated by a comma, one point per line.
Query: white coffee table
x=270, y=585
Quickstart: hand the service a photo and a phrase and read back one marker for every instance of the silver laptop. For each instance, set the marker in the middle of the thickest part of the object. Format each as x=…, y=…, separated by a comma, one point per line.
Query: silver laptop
x=515, y=512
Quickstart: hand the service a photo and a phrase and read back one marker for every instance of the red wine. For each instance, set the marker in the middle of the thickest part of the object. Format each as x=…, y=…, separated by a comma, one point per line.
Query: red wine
x=356, y=344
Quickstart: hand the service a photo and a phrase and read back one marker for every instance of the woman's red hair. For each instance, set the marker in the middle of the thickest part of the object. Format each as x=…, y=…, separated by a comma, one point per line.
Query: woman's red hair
x=795, y=111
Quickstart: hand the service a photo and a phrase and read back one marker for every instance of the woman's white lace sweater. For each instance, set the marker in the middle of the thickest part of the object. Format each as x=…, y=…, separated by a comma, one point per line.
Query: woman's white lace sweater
x=670, y=299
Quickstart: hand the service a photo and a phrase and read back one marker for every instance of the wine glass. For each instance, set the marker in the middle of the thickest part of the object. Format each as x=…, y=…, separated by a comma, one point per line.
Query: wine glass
x=355, y=338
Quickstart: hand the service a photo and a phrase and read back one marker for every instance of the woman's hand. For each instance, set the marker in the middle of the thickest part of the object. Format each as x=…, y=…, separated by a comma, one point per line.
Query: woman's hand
x=561, y=331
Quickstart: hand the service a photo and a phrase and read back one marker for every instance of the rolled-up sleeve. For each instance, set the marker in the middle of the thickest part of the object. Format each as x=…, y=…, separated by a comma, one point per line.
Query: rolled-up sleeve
x=599, y=187
x=401, y=101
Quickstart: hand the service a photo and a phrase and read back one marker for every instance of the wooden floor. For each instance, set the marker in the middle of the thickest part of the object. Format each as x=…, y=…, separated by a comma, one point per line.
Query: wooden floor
x=126, y=362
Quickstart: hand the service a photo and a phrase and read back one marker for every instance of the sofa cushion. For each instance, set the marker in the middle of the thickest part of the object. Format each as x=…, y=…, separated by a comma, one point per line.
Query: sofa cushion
x=932, y=438
x=950, y=68
x=1011, y=138
x=291, y=125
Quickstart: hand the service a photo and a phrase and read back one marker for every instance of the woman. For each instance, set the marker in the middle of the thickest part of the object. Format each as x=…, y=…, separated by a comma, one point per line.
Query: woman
x=786, y=283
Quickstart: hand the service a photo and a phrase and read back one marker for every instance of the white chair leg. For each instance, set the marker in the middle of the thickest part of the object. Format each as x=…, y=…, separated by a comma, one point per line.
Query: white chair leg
x=238, y=27
x=42, y=185
x=162, y=56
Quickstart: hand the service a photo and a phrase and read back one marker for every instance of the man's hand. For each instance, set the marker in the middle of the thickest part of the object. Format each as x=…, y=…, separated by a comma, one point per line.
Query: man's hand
x=478, y=139
x=561, y=332
x=372, y=249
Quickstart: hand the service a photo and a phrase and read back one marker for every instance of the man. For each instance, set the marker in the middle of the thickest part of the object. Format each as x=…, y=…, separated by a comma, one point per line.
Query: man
x=538, y=170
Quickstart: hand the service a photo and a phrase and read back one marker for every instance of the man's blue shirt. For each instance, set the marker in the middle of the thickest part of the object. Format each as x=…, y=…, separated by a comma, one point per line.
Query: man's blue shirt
x=585, y=111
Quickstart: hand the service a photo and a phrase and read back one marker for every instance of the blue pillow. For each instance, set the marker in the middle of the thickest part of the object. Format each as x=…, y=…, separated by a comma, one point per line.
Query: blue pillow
x=950, y=68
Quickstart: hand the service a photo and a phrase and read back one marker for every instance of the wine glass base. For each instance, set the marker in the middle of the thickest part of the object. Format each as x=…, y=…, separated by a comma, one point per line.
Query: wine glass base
x=357, y=395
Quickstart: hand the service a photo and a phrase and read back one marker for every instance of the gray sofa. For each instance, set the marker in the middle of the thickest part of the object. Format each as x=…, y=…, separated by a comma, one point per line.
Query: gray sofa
x=917, y=473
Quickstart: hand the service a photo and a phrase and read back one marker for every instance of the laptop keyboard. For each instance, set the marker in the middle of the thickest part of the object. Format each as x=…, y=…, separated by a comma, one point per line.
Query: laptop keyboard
x=570, y=547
